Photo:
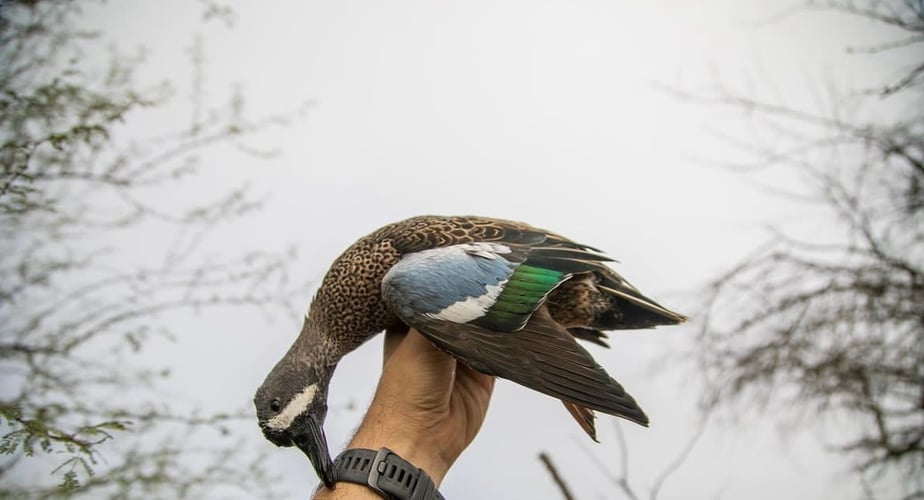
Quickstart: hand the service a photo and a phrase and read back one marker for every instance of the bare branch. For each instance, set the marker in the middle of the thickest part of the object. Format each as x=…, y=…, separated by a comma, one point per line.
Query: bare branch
x=556, y=477
x=681, y=457
x=829, y=323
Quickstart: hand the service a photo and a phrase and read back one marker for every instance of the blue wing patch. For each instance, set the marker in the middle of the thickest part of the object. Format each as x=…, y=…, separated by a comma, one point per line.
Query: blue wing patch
x=459, y=283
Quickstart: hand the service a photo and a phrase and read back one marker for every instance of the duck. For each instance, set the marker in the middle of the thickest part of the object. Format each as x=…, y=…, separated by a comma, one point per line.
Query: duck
x=503, y=297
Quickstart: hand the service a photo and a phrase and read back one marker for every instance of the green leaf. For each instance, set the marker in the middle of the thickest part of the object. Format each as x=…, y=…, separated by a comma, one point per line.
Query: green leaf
x=69, y=481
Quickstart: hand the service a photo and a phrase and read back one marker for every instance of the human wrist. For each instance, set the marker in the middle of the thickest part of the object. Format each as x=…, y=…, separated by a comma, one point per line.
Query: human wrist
x=384, y=429
x=382, y=471
x=406, y=437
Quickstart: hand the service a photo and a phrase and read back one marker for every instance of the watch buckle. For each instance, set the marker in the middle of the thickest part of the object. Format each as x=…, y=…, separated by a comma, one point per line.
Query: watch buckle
x=376, y=469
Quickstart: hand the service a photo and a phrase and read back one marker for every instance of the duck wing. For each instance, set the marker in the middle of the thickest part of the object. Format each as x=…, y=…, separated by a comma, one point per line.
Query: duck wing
x=483, y=302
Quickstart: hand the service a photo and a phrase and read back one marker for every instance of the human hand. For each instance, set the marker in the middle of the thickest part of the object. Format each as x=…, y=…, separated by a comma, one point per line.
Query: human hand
x=427, y=408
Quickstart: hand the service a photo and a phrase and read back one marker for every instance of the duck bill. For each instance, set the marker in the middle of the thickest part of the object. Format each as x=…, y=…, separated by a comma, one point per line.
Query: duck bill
x=307, y=434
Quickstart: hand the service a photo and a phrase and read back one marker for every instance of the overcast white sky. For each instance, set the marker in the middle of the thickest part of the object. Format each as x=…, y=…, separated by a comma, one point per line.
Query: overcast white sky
x=537, y=111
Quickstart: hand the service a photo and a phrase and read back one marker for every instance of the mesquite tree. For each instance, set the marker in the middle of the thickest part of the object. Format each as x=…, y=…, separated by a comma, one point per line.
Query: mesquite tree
x=79, y=412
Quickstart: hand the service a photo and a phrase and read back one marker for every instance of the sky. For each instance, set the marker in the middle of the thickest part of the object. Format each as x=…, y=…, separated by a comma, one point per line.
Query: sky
x=551, y=113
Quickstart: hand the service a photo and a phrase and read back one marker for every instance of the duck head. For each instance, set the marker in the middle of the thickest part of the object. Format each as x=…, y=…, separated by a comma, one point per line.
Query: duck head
x=292, y=405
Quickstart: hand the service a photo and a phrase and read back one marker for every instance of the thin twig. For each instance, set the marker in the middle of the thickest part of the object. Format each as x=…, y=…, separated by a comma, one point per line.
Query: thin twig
x=553, y=471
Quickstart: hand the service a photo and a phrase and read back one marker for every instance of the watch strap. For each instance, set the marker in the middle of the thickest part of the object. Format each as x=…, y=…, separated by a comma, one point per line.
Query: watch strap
x=386, y=473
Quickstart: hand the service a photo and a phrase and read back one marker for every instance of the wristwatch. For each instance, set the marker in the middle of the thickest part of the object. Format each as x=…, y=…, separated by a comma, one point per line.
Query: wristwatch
x=386, y=473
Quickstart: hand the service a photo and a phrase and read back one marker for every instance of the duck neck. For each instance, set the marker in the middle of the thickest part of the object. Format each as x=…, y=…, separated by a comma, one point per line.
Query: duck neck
x=316, y=344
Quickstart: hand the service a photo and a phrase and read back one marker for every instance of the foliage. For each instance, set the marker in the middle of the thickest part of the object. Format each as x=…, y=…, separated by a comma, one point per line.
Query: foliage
x=79, y=197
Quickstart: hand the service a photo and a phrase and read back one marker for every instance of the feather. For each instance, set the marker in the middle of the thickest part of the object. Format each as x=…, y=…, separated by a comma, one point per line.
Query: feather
x=589, y=335
x=632, y=295
x=584, y=417
x=542, y=356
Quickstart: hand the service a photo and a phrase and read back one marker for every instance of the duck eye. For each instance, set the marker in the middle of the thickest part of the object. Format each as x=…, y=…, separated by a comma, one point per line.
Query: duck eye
x=275, y=405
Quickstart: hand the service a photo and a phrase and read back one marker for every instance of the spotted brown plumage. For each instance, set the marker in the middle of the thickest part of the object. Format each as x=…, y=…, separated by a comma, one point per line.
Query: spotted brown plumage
x=503, y=297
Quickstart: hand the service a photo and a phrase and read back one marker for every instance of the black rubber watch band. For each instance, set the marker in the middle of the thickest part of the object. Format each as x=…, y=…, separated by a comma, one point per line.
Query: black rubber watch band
x=389, y=475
